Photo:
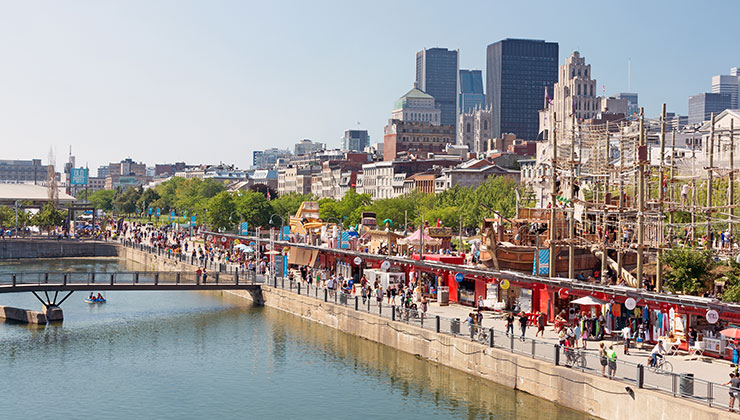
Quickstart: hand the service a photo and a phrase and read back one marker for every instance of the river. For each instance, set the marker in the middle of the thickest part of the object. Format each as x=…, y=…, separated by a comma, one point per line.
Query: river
x=193, y=355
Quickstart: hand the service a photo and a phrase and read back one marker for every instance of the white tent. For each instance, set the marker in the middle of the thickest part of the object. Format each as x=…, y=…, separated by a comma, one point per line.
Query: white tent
x=588, y=301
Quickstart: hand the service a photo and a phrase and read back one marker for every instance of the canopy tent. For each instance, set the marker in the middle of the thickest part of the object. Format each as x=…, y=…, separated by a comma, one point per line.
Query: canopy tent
x=588, y=301
x=415, y=239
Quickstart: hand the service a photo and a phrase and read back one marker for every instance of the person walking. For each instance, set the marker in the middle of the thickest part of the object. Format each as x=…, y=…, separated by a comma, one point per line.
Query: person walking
x=510, y=323
x=603, y=358
x=523, y=319
x=612, y=361
x=626, y=335
x=734, y=383
x=540, y=324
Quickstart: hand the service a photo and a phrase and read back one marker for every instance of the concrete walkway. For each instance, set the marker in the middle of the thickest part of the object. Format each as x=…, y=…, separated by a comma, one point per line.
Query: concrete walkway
x=706, y=368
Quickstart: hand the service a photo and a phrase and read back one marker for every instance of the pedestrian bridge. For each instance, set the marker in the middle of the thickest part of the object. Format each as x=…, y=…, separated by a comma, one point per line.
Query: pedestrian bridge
x=122, y=280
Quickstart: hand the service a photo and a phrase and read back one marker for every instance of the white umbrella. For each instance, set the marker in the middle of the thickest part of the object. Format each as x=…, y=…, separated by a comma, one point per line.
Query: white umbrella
x=588, y=300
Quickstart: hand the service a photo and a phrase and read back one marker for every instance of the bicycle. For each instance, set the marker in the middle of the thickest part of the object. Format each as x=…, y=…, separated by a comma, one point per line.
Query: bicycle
x=662, y=365
x=575, y=358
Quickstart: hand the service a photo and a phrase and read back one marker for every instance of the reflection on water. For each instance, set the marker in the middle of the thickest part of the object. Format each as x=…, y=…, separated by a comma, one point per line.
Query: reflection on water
x=175, y=355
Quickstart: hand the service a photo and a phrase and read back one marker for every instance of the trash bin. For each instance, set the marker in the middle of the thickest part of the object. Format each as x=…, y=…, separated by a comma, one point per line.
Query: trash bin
x=443, y=295
x=455, y=325
x=686, y=384
x=343, y=298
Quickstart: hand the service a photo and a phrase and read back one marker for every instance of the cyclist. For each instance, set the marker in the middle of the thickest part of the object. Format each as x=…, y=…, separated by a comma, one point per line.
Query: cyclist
x=657, y=353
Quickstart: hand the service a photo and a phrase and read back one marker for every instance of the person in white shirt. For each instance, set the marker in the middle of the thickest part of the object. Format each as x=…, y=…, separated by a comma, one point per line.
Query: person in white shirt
x=658, y=352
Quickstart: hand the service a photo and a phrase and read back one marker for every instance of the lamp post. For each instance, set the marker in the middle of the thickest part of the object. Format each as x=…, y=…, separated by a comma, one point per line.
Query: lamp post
x=272, y=244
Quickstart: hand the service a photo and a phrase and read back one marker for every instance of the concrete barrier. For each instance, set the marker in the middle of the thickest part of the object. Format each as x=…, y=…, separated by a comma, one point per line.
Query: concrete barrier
x=22, y=315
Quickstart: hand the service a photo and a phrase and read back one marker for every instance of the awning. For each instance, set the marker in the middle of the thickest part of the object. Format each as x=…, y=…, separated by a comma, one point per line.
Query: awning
x=588, y=301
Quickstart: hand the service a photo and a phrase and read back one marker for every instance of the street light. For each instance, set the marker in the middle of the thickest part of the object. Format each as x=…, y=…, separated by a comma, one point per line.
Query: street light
x=272, y=244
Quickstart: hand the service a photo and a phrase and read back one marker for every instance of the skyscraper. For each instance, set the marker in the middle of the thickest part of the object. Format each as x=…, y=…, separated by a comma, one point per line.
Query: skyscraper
x=355, y=140
x=471, y=91
x=727, y=84
x=517, y=73
x=436, y=74
x=702, y=106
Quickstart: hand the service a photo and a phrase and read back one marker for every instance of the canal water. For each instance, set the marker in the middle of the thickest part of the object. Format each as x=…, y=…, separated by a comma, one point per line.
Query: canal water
x=192, y=355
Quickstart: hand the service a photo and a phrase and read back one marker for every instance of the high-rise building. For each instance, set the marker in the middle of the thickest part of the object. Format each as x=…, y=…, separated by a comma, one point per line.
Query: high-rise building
x=633, y=106
x=266, y=159
x=727, y=84
x=471, y=91
x=518, y=71
x=420, y=139
x=306, y=146
x=355, y=140
x=575, y=91
x=702, y=106
x=419, y=106
x=103, y=171
x=436, y=74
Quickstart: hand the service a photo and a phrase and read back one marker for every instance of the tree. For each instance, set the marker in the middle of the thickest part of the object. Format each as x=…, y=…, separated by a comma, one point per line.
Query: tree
x=48, y=217
x=287, y=205
x=103, y=199
x=148, y=198
x=689, y=271
x=126, y=201
x=220, y=210
x=253, y=208
x=7, y=217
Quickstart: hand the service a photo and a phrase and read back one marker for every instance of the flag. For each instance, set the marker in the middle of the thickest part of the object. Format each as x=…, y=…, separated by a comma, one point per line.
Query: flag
x=603, y=89
x=268, y=195
x=439, y=222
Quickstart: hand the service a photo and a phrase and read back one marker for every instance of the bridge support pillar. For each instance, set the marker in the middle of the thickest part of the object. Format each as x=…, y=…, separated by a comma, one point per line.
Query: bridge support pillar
x=53, y=313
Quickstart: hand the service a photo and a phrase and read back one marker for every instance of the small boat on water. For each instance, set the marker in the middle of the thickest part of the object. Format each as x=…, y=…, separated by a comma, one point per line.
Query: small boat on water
x=95, y=300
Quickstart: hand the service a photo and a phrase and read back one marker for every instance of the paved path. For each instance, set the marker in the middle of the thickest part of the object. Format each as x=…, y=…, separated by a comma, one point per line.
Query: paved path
x=706, y=368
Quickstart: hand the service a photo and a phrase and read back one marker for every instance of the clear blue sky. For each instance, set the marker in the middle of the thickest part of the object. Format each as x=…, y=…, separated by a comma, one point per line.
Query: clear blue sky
x=208, y=81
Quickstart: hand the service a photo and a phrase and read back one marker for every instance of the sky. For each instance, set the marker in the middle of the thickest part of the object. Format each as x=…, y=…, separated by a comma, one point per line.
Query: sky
x=210, y=81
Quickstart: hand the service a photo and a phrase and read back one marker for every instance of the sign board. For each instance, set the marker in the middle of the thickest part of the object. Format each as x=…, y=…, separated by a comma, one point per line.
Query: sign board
x=459, y=277
x=712, y=316
x=172, y=215
x=243, y=228
x=192, y=219
x=504, y=284
x=630, y=303
x=158, y=212
x=385, y=266
x=563, y=293
x=78, y=176
x=358, y=260
x=286, y=233
x=150, y=211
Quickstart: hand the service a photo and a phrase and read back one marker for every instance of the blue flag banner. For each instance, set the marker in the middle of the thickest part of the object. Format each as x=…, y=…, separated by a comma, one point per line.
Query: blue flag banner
x=544, y=259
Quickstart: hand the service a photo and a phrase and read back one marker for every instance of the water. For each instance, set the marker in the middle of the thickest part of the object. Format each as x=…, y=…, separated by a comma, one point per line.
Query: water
x=190, y=355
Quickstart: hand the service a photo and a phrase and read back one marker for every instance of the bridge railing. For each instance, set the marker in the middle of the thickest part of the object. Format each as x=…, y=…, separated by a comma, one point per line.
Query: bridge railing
x=124, y=278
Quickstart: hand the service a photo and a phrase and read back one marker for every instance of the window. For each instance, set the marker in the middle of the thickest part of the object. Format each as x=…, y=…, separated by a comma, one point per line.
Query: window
x=467, y=128
x=485, y=124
